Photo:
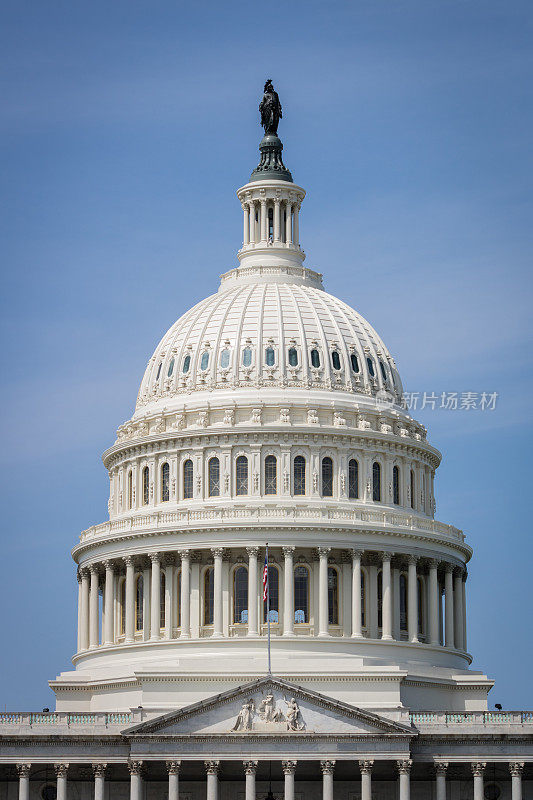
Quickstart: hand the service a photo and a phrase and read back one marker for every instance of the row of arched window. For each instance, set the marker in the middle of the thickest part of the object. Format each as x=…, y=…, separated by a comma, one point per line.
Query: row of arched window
x=299, y=486
x=293, y=359
x=302, y=605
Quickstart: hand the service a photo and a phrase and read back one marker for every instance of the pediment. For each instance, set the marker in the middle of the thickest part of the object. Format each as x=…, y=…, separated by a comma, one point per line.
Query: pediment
x=269, y=706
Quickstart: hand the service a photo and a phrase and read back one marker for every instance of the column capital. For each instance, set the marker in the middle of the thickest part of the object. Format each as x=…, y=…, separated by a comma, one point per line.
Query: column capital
x=327, y=767
x=323, y=552
x=366, y=766
x=108, y=564
x=250, y=767
x=99, y=770
x=211, y=767
x=135, y=767
x=93, y=569
x=412, y=559
x=441, y=767
x=23, y=770
x=173, y=767
x=357, y=555
x=449, y=567
x=515, y=768
x=404, y=766
x=289, y=767
x=386, y=556
x=128, y=560
x=252, y=551
x=478, y=768
x=155, y=558
x=61, y=770
x=288, y=550
x=184, y=554
x=218, y=552
x=433, y=563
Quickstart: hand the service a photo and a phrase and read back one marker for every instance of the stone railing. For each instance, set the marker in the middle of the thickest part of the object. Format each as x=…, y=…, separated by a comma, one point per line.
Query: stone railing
x=53, y=719
x=421, y=719
x=255, y=515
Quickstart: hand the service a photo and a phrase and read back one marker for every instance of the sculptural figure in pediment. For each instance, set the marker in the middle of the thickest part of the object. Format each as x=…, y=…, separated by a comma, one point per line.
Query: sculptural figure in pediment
x=293, y=716
x=268, y=711
x=245, y=717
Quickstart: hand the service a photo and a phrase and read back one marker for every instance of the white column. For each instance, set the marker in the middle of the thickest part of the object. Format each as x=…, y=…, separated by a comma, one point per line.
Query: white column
x=277, y=220
x=412, y=600
x=155, y=601
x=288, y=223
x=99, y=781
x=288, y=591
x=477, y=771
x=465, y=574
x=170, y=603
x=217, y=592
x=296, y=233
x=80, y=602
x=516, y=768
x=24, y=781
x=434, y=595
x=252, y=592
x=366, y=779
x=135, y=768
x=173, y=768
x=61, y=777
x=386, y=607
x=93, y=607
x=323, y=553
x=84, y=616
x=250, y=768
x=448, y=606
x=440, y=780
x=109, y=604
x=130, y=599
x=264, y=221
x=288, y=770
x=246, y=230
x=404, y=778
x=458, y=608
x=185, y=597
x=212, y=779
x=327, y=768
x=357, y=632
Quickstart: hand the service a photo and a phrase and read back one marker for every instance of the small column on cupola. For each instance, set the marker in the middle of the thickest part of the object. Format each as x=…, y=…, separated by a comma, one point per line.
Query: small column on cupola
x=271, y=200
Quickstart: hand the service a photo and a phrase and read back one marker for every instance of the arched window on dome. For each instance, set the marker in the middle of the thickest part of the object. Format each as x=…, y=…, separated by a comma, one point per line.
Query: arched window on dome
x=146, y=485
x=158, y=371
x=139, y=603
x=186, y=364
x=187, y=479
x=293, y=357
x=240, y=595
x=354, y=362
x=333, y=596
x=270, y=357
x=412, y=489
x=376, y=482
x=204, y=361
x=271, y=475
x=396, y=485
x=315, y=358
x=165, y=483
x=363, y=598
x=122, y=596
x=270, y=224
x=213, y=469
x=299, y=475
x=383, y=371
x=241, y=475
x=353, y=479
x=301, y=594
x=209, y=596
x=370, y=365
x=170, y=369
x=403, y=603
x=273, y=594
x=162, y=600
x=130, y=489
x=327, y=477
x=336, y=360
x=421, y=609
x=247, y=357
x=224, y=358
x=380, y=599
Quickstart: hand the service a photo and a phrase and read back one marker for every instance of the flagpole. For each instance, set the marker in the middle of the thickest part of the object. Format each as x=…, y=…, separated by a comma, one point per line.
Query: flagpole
x=268, y=610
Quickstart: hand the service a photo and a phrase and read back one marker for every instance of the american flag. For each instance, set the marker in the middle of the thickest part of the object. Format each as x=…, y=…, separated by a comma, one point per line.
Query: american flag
x=265, y=577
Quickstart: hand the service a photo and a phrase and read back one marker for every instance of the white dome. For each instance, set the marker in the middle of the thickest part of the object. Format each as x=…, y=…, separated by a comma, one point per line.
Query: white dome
x=274, y=327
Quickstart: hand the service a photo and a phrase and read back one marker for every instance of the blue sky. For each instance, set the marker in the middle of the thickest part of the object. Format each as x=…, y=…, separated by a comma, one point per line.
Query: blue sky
x=126, y=128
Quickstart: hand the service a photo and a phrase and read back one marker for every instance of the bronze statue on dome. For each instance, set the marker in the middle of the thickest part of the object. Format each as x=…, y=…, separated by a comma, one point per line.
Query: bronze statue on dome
x=270, y=109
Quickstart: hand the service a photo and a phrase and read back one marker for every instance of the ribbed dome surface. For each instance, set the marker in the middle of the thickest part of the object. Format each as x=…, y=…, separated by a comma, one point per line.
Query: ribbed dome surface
x=273, y=331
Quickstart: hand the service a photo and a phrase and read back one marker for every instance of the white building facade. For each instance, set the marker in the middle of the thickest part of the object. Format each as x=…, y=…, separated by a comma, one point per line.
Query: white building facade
x=270, y=415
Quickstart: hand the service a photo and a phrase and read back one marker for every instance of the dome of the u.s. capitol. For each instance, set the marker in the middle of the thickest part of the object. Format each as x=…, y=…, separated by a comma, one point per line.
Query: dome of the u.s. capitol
x=274, y=328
